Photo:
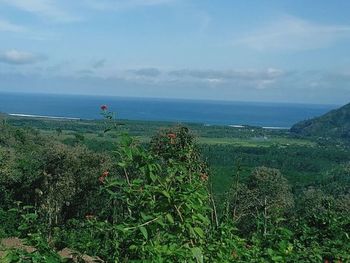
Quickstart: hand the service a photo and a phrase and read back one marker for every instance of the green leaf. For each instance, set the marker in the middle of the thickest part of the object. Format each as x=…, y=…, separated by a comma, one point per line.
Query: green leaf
x=110, y=192
x=160, y=221
x=144, y=232
x=128, y=153
x=203, y=218
x=199, y=231
x=145, y=217
x=133, y=247
x=277, y=258
x=153, y=177
x=122, y=164
x=270, y=251
x=197, y=254
x=166, y=194
x=170, y=218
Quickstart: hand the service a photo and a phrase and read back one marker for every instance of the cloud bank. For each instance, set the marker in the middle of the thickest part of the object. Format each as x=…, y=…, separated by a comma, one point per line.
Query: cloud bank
x=240, y=85
x=16, y=57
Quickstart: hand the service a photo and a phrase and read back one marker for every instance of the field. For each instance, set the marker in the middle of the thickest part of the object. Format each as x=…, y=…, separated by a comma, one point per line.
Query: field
x=213, y=135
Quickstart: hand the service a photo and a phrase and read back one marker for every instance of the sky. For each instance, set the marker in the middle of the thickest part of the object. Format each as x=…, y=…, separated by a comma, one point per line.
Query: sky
x=295, y=51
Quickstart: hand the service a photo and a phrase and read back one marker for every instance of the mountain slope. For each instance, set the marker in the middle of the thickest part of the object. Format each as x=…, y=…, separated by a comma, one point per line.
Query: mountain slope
x=335, y=123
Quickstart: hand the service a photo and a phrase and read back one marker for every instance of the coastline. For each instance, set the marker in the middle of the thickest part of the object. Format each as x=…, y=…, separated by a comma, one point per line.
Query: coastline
x=77, y=119
x=262, y=127
x=43, y=116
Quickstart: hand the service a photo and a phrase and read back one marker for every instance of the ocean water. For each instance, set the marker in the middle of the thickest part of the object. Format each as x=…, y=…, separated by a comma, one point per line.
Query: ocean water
x=175, y=110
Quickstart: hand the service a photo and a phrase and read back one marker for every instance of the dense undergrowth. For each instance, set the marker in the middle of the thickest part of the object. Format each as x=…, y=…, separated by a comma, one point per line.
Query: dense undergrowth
x=155, y=203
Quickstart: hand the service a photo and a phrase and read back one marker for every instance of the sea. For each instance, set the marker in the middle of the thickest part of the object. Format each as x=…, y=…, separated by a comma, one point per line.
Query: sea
x=206, y=112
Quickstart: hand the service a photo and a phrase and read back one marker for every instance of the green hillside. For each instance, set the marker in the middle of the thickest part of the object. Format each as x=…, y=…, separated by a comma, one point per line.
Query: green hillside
x=335, y=123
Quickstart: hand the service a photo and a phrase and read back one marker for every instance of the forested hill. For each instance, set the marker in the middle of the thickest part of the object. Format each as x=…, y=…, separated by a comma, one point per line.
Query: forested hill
x=335, y=123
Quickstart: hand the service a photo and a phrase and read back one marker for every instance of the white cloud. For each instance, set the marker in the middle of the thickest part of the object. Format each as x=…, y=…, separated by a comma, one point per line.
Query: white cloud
x=146, y=72
x=16, y=57
x=229, y=75
x=292, y=33
x=10, y=27
x=44, y=8
x=251, y=79
x=26, y=32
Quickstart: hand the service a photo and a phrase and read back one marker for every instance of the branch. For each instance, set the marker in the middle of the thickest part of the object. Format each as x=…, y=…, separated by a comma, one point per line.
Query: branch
x=144, y=224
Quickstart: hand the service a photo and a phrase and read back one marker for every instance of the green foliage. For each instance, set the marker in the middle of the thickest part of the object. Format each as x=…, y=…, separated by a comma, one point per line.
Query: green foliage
x=8, y=223
x=153, y=202
x=162, y=202
x=39, y=256
x=30, y=229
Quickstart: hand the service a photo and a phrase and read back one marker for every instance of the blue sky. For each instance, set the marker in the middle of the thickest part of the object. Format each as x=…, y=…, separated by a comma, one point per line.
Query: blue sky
x=279, y=51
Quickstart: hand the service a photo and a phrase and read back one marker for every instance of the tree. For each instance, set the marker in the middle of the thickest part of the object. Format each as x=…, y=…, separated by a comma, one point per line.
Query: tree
x=265, y=198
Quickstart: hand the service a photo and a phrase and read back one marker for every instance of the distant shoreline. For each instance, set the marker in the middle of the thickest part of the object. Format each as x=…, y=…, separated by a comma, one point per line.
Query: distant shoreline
x=43, y=116
x=76, y=119
x=262, y=127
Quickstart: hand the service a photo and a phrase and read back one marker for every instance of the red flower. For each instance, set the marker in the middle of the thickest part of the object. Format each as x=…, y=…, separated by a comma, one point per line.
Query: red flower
x=103, y=176
x=234, y=254
x=101, y=179
x=204, y=177
x=172, y=135
x=103, y=107
x=89, y=217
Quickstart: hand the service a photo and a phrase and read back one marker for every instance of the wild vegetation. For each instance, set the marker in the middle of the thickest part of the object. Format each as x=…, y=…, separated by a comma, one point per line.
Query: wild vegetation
x=170, y=196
